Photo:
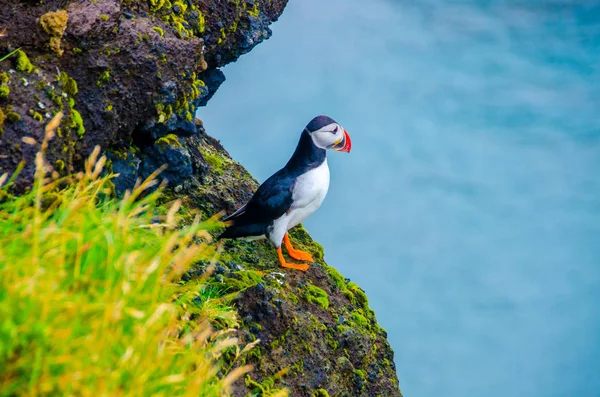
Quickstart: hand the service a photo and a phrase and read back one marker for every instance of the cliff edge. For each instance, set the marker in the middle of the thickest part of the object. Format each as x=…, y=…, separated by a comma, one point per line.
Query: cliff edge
x=129, y=76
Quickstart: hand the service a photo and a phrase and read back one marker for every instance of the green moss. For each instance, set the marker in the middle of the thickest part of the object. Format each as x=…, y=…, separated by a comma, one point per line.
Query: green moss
x=104, y=17
x=359, y=319
x=103, y=79
x=120, y=153
x=317, y=296
x=4, y=91
x=164, y=112
x=77, y=122
x=222, y=37
x=255, y=10
x=201, y=23
x=332, y=343
x=2, y=118
x=215, y=161
x=182, y=16
x=36, y=116
x=13, y=117
x=257, y=326
x=77, y=50
x=359, y=295
x=23, y=62
x=293, y=298
x=360, y=373
x=59, y=165
x=159, y=30
x=337, y=278
x=156, y=5
x=265, y=388
x=279, y=341
x=243, y=279
x=320, y=393
x=4, y=78
x=169, y=140
x=68, y=83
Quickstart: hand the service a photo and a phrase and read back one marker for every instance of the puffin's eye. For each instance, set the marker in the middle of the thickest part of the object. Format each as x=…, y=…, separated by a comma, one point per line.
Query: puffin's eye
x=335, y=130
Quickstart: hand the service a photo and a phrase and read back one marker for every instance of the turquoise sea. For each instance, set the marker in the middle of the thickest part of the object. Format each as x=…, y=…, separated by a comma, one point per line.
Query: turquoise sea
x=469, y=208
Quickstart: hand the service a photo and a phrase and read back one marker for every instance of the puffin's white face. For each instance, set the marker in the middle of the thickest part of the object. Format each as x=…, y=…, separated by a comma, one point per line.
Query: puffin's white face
x=332, y=136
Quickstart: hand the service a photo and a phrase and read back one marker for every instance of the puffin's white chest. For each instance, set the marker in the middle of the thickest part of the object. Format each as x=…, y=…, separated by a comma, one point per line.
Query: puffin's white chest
x=309, y=192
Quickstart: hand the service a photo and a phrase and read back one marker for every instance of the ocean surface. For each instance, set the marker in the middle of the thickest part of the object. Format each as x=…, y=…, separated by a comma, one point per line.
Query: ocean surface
x=469, y=208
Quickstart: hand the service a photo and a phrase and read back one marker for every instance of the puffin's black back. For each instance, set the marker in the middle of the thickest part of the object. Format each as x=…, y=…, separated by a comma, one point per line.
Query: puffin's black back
x=274, y=197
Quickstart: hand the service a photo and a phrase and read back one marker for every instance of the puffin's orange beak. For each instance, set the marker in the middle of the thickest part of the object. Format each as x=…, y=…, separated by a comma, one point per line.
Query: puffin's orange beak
x=344, y=145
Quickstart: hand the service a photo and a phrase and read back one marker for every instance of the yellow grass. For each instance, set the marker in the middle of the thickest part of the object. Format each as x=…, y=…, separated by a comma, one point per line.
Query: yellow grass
x=89, y=299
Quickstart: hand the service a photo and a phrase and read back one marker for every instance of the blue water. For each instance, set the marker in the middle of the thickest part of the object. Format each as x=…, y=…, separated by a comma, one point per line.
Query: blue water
x=469, y=208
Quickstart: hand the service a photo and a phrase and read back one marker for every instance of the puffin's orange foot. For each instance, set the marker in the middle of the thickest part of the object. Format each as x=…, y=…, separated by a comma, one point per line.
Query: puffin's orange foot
x=300, y=266
x=294, y=253
x=301, y=255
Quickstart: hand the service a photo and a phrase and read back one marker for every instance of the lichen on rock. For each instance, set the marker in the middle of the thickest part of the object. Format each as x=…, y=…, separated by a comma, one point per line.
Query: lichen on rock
x=55, y=23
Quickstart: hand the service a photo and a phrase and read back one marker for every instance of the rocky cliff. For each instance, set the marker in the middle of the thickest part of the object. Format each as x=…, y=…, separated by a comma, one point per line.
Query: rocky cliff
x=129, y=76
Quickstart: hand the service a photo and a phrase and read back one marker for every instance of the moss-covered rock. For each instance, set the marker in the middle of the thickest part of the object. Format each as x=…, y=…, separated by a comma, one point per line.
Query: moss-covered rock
x=317, y=334
x=142, y=68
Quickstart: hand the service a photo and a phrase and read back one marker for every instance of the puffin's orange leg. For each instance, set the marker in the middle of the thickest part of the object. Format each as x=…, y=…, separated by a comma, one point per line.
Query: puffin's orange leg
x=301, y=266
x=294, y=253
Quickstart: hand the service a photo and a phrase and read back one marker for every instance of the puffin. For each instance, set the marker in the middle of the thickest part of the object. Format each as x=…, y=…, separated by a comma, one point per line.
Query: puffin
x=293, y=193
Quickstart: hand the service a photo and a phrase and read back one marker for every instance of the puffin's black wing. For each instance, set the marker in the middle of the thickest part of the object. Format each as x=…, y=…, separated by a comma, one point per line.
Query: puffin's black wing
x=272, y=199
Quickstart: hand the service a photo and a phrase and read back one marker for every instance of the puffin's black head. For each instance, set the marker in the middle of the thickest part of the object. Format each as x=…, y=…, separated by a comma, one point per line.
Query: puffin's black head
x=326, y=133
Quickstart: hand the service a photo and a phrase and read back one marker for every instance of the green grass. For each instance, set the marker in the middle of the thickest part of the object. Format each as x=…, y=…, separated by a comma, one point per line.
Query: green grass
x=90, y=302
x=9, y=54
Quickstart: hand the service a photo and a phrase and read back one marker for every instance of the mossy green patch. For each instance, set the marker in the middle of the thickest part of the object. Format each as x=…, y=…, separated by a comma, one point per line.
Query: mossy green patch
x=359, y=319
x=169, y=140
x=182, y=16
x=243, y=279
x=320, y=393
x=68, y=83
x=23, y=62
x=4, y=78
x=359, y=295
x=317, y=296
x=164, y=112
x=77, y=122
x=217, y=161
x=337, y=278
x=265, y=388
x=36, y=115
x=13, y=117
x=255, y=10
x=159, y=30
x=293, y=298
x=103, y=79
x=4, y=91
x=360, y=373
